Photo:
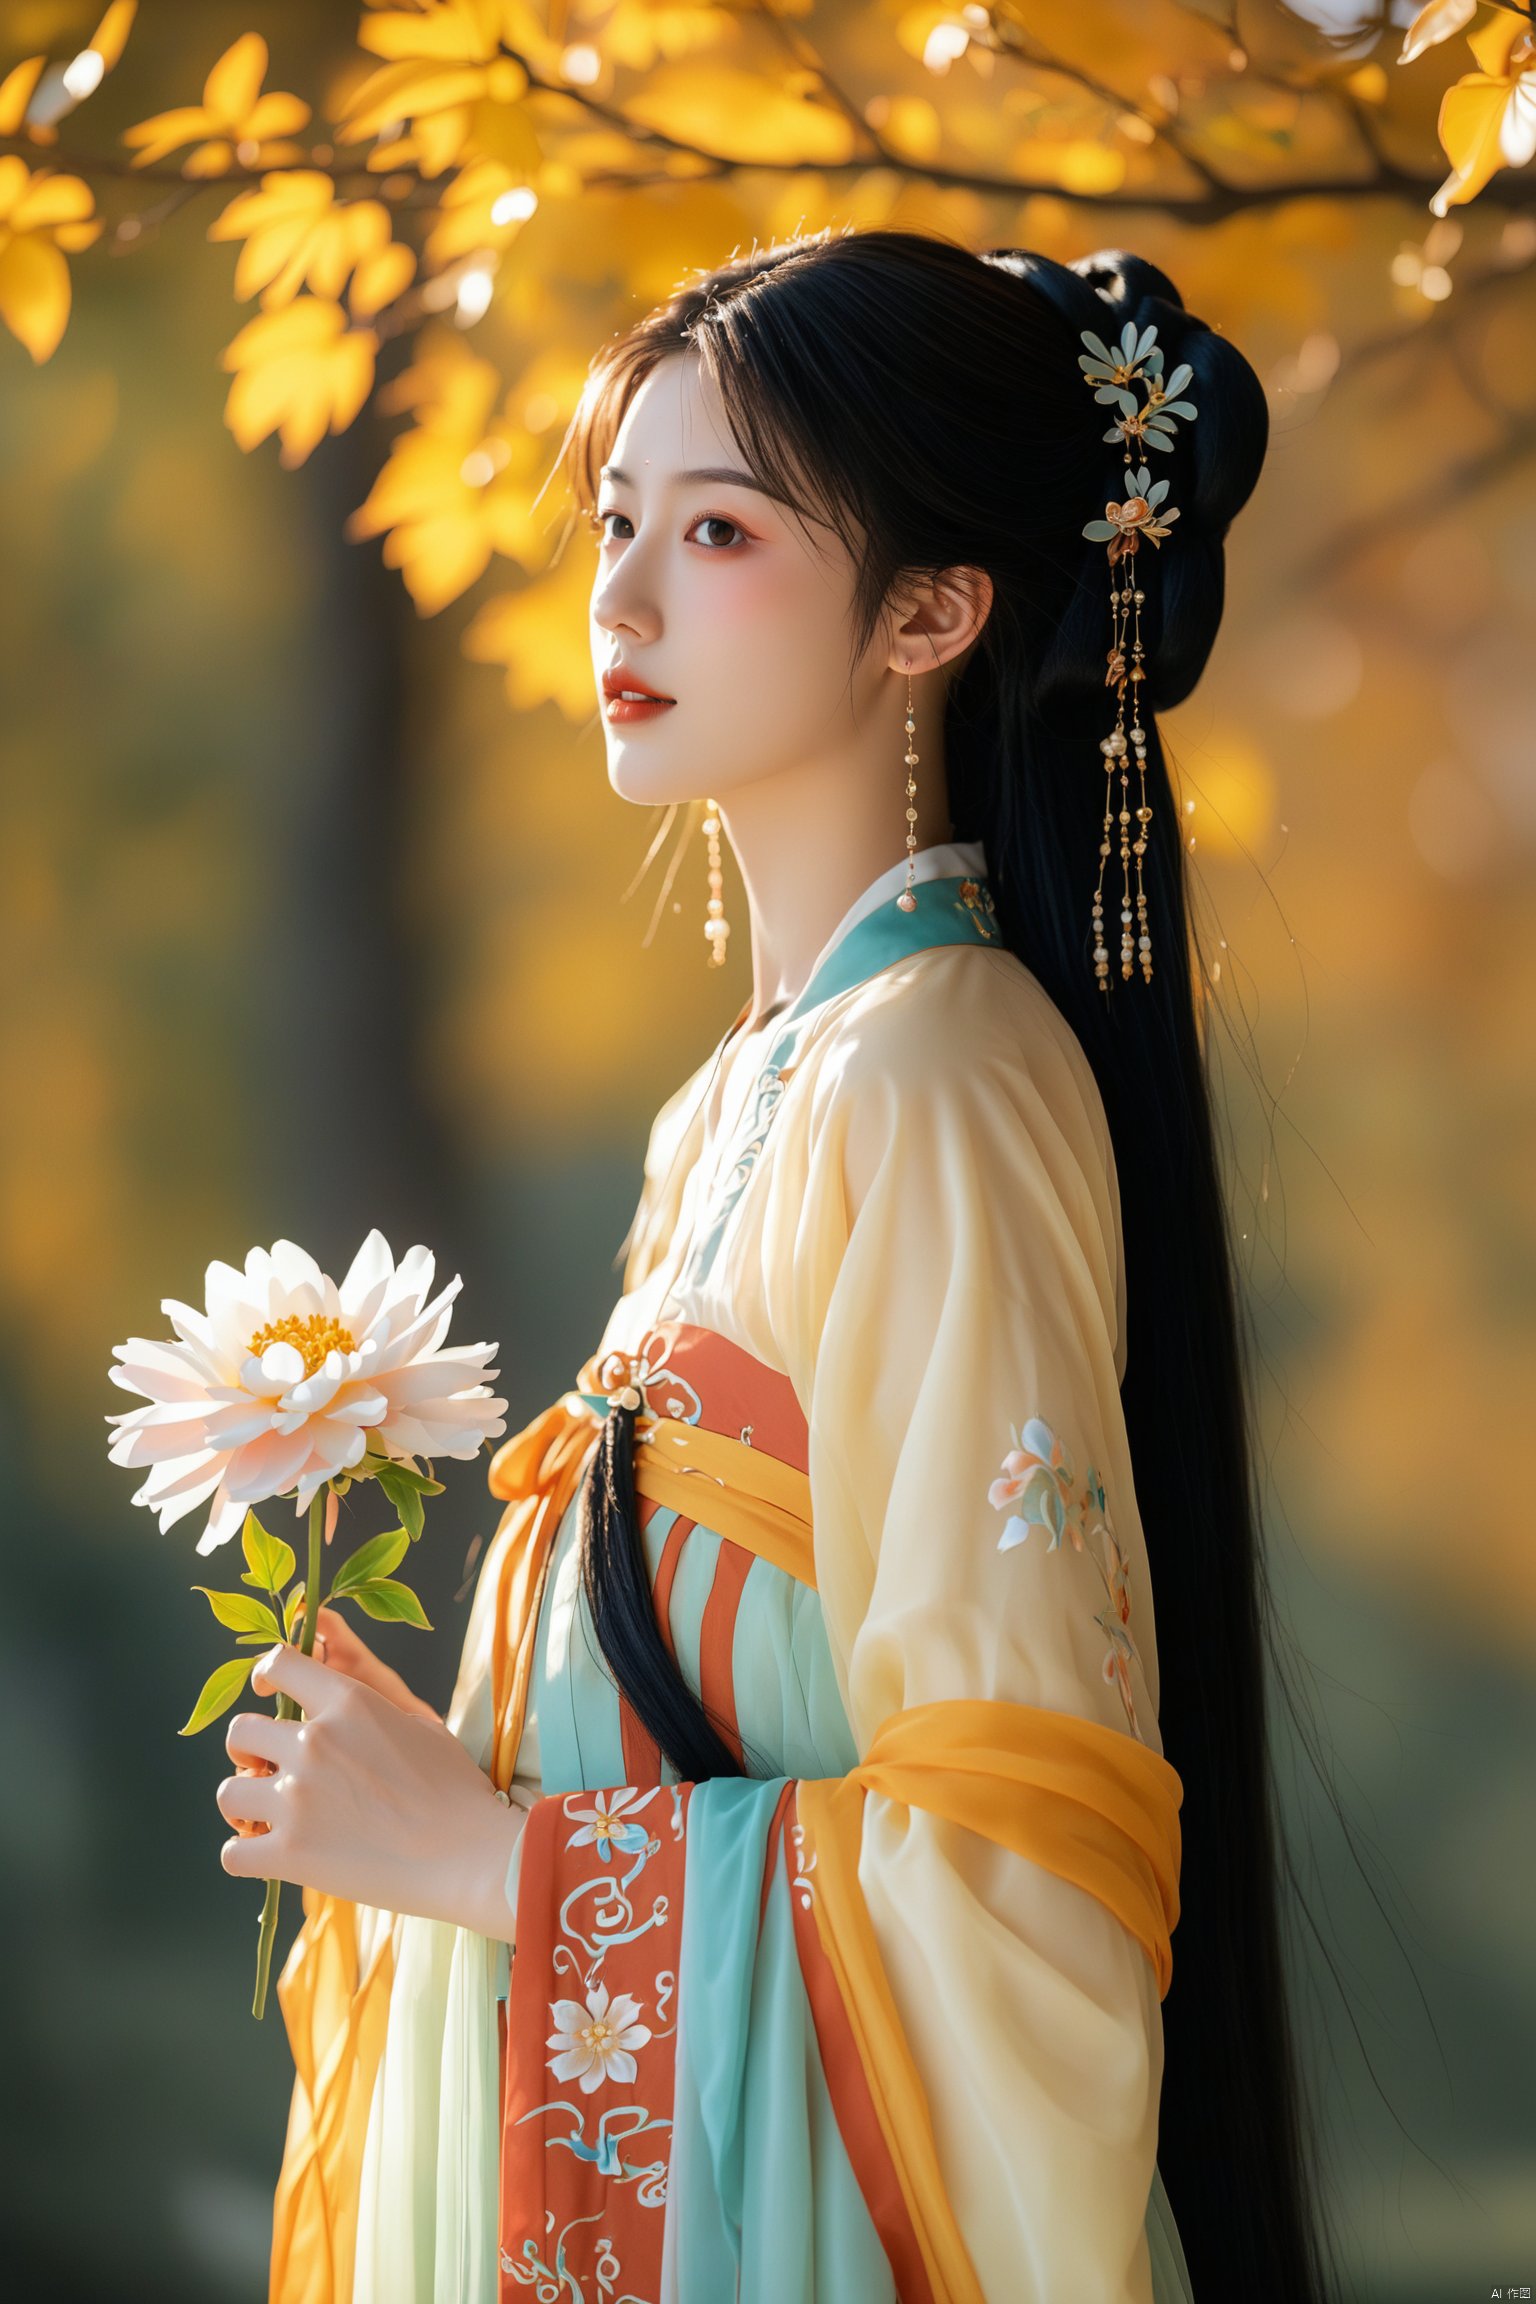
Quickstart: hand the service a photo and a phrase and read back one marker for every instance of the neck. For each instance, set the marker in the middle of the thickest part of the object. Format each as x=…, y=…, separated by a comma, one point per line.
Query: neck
x=808, y=843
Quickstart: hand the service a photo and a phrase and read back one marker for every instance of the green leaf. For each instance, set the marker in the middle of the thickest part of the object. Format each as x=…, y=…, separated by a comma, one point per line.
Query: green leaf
x=378, y=1557
x=405, y=1496
x=218, y=1692
x=405, y=1489
x=269, y=1561
x=390, y=1602
x=238, y=1613
x=292, y=1609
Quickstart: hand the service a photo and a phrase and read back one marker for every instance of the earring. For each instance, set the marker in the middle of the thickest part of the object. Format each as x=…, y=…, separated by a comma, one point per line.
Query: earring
x=906, y=900
x=716, y=926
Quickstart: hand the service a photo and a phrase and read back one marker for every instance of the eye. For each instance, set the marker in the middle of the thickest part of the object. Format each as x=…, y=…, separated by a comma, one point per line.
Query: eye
x=716, y=520
x=600, y=523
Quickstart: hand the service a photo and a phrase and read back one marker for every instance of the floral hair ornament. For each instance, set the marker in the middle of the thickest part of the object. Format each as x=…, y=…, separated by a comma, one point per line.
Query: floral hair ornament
x=1134, y=366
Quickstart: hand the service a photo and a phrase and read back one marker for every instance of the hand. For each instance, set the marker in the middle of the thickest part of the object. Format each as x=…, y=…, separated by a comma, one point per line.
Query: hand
x=340, y=1645
x=365, y=1800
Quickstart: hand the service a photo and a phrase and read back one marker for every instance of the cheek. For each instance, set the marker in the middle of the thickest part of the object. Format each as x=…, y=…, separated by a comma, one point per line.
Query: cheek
x=760, y=612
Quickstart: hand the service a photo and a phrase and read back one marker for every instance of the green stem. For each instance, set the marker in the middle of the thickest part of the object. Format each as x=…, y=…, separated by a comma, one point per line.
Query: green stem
x=288, y=1710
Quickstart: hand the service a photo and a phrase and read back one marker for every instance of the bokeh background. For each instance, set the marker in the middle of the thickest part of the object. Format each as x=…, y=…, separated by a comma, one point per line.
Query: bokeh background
x=312, y=920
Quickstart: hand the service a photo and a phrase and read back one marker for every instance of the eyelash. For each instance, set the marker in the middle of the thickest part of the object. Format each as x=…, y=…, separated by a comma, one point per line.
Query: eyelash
x=600, y=520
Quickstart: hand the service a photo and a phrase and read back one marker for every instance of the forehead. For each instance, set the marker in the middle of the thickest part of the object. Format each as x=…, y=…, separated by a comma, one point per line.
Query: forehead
x=675, y=419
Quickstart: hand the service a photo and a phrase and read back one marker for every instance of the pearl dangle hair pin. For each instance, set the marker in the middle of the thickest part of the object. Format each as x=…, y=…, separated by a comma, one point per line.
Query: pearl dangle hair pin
x=1144, y=512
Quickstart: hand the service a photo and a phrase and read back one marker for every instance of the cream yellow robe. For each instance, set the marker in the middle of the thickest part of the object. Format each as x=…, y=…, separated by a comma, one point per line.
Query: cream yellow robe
x=922, y=1232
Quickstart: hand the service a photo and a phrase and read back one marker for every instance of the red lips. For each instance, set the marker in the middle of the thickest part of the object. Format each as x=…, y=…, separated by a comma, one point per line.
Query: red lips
x=618, y=677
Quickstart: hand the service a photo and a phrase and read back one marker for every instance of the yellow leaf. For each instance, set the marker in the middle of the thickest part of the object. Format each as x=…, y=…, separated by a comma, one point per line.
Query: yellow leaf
x=231, y=88
x=34, y=293
x=452, y=33
x=300, y=372
x=380, y=278
x=16, y=93
x=1471, y=123
x=540, y=635
x=741, y=115
x=111, y=35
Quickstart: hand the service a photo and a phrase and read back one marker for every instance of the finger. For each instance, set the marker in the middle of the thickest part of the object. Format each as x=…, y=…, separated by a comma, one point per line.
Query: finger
x=248, y=1858
x=257, y=1736
x=348, y=1652
x=247, y=1799
x=287, y=1671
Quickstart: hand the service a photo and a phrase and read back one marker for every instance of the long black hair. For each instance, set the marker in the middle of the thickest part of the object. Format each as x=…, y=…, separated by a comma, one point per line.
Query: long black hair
x=928, y=404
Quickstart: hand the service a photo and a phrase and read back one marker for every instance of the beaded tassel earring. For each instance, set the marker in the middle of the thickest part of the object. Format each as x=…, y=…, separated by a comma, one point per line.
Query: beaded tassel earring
x=906, y=900
x=1144, y=513
x=716, y=926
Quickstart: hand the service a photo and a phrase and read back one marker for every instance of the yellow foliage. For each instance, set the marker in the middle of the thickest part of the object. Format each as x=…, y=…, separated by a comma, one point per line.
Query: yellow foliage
x=467, y=217
x=297, y=235
x=301, y=372
x=633, y=33
x=540, y=635
x=460, y=484
x=111, y=35
x=16, y=93
x=234, y=122
x=1488, y=120
x=743, y=115
x=449, y=82
x=41, y=215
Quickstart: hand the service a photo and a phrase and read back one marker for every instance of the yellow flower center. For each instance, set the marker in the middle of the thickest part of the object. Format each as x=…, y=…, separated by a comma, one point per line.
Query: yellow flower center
x=597, y=2034
x=311, y=1338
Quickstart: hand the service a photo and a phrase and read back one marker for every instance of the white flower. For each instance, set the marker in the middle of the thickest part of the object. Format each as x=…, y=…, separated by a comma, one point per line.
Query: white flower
x=280, y=1382
x=594, y=2042
x=607, y=1823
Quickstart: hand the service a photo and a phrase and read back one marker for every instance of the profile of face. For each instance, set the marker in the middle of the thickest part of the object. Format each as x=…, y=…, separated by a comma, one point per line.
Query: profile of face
x=731, y=608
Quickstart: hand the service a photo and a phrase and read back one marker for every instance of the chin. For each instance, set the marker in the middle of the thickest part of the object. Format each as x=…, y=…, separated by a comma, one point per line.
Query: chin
x=643, y=774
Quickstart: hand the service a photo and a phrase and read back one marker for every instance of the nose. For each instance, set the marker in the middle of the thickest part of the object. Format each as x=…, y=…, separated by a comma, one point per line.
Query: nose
x=622, y=600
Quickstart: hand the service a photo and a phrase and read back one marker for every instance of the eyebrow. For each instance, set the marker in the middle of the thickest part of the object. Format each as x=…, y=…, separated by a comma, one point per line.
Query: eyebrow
x=715, y=475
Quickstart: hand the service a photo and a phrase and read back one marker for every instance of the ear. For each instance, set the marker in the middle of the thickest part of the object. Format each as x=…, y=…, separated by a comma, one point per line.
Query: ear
x=937, y=618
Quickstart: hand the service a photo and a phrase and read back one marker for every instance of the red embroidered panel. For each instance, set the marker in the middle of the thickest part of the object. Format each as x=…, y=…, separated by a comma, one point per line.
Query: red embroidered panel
x=591, y=2042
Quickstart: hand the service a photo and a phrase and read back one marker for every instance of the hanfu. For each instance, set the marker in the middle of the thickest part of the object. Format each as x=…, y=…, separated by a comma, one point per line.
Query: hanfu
x=879, y=2019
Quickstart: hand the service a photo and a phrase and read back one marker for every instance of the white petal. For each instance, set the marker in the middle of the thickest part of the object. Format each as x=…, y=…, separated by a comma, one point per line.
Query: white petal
x=265, y=1467
x=567, y=2015
x=176, y=1503
x=159, y=1369
x=242, y=1420
x=620, y=2066
x=282, y=1365
x=1517, y=134
x=312, y=1393
x=367, y=1281
x=225, y=1519
x=159, y=1444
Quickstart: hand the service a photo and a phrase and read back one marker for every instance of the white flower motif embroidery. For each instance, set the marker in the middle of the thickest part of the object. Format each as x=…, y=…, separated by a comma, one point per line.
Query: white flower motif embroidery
x=595, y=2043
x=606, y=1826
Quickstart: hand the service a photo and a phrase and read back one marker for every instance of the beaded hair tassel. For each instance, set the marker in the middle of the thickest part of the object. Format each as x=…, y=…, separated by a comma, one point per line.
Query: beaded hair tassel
x=1142, y=425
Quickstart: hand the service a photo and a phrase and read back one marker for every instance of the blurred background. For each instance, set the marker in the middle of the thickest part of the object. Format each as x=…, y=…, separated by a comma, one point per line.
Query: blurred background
x=319, y=913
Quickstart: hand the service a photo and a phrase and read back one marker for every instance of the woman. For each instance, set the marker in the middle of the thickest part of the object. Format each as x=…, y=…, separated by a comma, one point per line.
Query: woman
x=814, y=1941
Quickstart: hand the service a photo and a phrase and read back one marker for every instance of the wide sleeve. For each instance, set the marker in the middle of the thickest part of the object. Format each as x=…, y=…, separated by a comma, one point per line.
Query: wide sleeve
x=947, y=1302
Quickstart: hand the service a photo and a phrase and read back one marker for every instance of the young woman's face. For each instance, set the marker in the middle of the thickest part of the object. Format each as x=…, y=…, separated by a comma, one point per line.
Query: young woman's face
x=717, y=598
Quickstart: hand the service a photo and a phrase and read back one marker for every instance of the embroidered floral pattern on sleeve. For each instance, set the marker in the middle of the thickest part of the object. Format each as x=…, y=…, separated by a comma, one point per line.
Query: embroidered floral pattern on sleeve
x=1037, y=1489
